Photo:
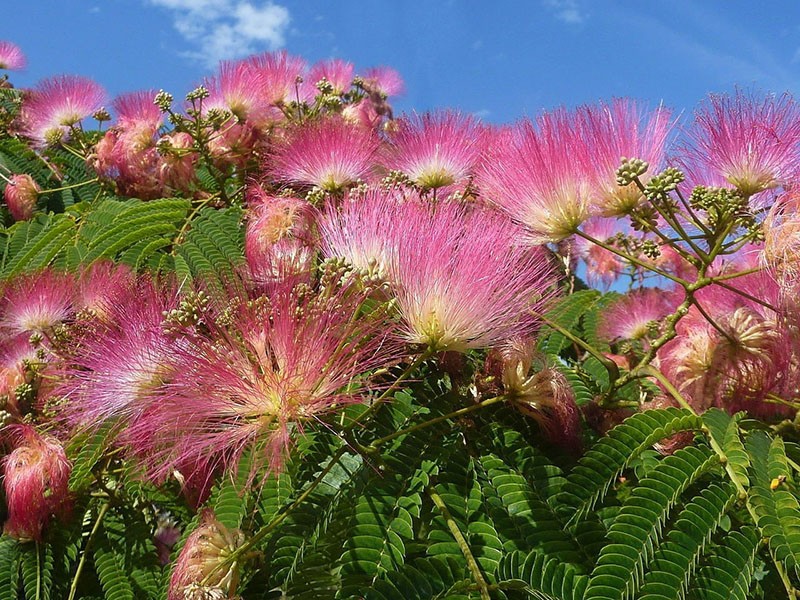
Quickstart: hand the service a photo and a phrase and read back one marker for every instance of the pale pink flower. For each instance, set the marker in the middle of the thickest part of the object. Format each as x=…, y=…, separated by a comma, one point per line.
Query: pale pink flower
x=280, y=238
x=622, y=128
x=781, y=253
x=56, y=104
x=14, y=353
x=11, y=57
x=138, y=108
x=749, y=140
x=540, y=175
x=20, y=196
x=635, y=315
x=338, y=73
x=36, y=302
x=465, y=278
x=330, y=154
x=177, y=169
x=36, y=477
x=254, y=384
x=101, y=285
x=282, y=75
x=602, y=266
x=198, y=572
x=238, y=88
x=384, y=80
x=435, y=149
x=125, y=360
x=361, y=230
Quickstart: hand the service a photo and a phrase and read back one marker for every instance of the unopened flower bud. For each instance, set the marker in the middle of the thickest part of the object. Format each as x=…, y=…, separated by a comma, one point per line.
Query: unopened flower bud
x=630, y=169
x=36, y=477
x=20, y=196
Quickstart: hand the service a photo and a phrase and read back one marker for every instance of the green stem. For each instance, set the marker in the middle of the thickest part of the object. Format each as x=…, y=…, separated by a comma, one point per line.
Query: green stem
x=38, y=571
x=474, y=568
x=70, y=187
x=451, y=415
x=73, y=589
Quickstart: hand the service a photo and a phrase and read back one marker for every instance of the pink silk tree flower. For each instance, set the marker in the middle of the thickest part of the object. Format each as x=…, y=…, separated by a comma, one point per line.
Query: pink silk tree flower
x=338, y=73
x=466, y=279
x=15, y=352
x=330, y=154
x=238, y=88
x=20, y=195
x=282, y=75
x=751, y=141
x=622, y=128
x=56, y=104
x=362, y=230
x=36, y=477
x=384, y=81
x=632, y=316
x=36, y=302
x=540, y=175
x=603, y=267
x=255, y=382
x=124, y=361
x=199, y=573
x=435, y=149
x=280, y=239
x=11, y=57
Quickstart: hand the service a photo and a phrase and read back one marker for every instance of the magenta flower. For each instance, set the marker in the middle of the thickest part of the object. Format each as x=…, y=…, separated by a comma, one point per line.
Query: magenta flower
x=283, y=361
x=36, y=477
x=622, y=128
x=540, y=175
x=34, y=303
x=435, y=149
x=384, y=80
x=56, y=104
x=20, y=196
x=239, y=89
x=14, y=353
x=282, y=75
x=751, y=141
x=280, y=238
x=124, y=361
x=631, y=316
x=138, y=109
x=465, y=279
x=602, y=266
x=330, y=154
x=11, y=57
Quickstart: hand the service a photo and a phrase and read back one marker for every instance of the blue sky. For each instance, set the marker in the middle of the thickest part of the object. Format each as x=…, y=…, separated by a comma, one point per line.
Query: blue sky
x=500, y=60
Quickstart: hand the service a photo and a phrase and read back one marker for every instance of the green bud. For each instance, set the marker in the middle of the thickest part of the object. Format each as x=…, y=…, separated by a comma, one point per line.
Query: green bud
x=163, y=100
x=630, y=169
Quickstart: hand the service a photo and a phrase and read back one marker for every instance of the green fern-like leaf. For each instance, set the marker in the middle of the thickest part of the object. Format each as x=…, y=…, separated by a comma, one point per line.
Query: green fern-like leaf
x=9, y=567
x=636, y=530
x=775, y=506
x=35, y=244
x=37, y=570
x=724, y=430
x=542, y=577
x=590, y=479
x=567, y=313
x=676, y=559
x=423, y=579
x=110, y=568
x=729, y=572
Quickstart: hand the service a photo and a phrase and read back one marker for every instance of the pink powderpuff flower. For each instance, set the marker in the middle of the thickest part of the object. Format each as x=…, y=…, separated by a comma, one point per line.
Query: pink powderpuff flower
x=361, y=230
x=138, y=121
x=233, y=146
x=177, y=169
x=330, y=154
x=363, y=114
x=338, y=73
x=282, y=75
x=283, y=361
x=603, y=267
x=751, y=141
x=435, y=149
x=280, y=239
x=14, y=353
x=781, y=253
x=465, y=279
x=56, y=104
x=36, y=302
x=100, y=285
x=20, y=196
x=622, y=128
x=540, y=176
x=198, y=572
x=11, y=57
x=633, y=316
x=36, y=477
x=238, y=88
x=125, y=360
x=384, y=80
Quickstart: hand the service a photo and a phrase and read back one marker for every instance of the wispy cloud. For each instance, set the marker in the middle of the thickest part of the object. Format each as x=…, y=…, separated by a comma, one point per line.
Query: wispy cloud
x=224, y=29
x=568, y=11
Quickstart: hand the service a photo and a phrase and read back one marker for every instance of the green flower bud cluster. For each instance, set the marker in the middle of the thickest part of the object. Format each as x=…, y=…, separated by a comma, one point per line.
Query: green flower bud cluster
x=630, y=170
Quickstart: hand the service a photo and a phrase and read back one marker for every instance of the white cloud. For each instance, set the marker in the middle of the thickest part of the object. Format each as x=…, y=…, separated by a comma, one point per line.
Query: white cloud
x=568, y=11
x=225, y=29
